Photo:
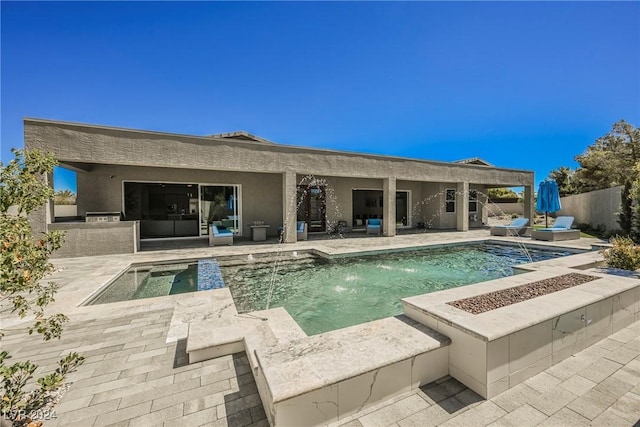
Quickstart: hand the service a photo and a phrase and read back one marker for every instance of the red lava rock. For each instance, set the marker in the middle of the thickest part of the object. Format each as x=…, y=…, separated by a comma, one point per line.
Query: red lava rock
x=492, y=300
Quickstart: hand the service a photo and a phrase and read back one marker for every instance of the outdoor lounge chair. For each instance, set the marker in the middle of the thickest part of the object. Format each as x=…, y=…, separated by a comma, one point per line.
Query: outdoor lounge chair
x=516, y=228
x=374, y=226
x=219, y=237
x=560, y=230
x=301, y=230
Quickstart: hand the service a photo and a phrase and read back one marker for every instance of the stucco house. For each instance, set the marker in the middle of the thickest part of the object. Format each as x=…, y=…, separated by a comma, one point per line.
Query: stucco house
x=158, y=185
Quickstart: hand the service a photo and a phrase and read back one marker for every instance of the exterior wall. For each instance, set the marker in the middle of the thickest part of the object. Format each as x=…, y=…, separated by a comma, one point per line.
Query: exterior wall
x=65, y=210
x=71, y=142
x=597, y=208
x=80, y=238
x=261, y=193
x=427, y=208
x=112, y=155
x=340, y=194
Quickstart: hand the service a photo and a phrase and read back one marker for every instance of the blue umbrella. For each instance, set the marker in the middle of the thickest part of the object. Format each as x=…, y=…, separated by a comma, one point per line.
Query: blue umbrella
x=548, y=198
x=231, y=203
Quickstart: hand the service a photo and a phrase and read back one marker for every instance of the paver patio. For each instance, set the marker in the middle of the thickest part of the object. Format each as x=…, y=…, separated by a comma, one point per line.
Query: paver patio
x=132, y=376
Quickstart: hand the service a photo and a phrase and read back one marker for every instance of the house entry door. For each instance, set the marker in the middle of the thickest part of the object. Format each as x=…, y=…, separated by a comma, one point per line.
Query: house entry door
x=312, y=207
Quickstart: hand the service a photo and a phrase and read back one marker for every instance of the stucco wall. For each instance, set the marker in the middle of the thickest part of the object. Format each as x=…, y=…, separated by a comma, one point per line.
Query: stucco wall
x=340, y=193
x=112, y=155
x=89, y=239
x=70, y=142
x=597, y=208
x=261, y=199
x=65, y=210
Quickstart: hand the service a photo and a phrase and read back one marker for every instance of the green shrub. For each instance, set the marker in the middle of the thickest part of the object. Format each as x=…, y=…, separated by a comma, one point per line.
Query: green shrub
x=624, y=254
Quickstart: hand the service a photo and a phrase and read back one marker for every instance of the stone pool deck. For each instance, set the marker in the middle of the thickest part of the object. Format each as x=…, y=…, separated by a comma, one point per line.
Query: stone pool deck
x=136, y=371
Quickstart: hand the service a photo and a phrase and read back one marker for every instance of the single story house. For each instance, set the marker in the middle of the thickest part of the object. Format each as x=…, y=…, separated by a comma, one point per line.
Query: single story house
x=137, y=184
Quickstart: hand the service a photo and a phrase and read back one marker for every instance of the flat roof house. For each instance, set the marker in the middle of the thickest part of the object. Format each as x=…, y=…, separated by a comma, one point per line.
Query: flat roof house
x=167, y=185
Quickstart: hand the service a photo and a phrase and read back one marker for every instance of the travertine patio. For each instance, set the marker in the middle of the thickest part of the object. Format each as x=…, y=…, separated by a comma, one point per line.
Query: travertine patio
x=132, y=376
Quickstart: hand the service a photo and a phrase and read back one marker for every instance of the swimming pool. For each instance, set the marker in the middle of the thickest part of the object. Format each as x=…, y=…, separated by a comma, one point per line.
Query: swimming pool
x=326, y=294
x=323, y=295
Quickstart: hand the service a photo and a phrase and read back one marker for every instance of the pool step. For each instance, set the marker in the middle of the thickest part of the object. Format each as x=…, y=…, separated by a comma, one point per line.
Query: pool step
x=306, y=381
x=220, y=336
x=328, y=377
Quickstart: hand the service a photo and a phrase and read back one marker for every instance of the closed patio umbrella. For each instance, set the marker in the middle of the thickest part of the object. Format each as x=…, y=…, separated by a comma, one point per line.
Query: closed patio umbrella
x=548, y=198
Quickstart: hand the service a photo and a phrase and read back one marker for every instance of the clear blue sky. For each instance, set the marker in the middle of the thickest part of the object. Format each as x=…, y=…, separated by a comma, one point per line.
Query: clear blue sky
x=520, y=84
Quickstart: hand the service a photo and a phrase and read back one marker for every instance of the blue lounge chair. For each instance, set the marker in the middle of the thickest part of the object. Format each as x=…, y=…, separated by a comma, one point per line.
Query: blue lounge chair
x=517, y=227
x=560, y=230
x=219, y=237
x=374, y=226
x=301, y=230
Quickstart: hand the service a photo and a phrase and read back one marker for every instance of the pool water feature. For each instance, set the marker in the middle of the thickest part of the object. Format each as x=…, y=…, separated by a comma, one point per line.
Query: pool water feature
x=323, y=295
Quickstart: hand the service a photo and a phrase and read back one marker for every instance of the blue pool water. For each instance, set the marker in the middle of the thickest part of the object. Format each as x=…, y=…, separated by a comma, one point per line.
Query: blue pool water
x=323, y=295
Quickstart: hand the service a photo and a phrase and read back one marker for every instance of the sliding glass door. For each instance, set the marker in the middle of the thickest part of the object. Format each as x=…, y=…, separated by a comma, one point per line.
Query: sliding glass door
x=219, y=205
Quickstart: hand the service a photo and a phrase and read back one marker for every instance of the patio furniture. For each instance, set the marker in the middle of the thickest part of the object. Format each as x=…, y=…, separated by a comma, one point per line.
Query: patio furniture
x=259, y=232
x=374, y=226
x=219, y=237
x=560, y=230
x=301, y=230
x=516, y=228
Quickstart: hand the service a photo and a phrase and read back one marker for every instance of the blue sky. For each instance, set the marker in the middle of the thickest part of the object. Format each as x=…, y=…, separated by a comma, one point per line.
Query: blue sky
x=524, y=85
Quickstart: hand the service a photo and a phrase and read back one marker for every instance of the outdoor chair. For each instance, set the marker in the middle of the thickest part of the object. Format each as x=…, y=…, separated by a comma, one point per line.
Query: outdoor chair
x=374, y=226
x=516, y=228
x=219, y=237
x=301, y=230
x=560, y=230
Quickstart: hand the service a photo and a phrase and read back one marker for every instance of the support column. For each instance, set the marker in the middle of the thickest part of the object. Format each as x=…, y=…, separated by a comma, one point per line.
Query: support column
x=528, y=203
x=289, y=214
x=389, y=209
x=462, y=206
x=41, y=217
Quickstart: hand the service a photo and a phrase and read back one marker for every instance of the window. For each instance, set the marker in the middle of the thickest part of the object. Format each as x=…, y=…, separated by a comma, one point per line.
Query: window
x=473, y=201
x=450, y=200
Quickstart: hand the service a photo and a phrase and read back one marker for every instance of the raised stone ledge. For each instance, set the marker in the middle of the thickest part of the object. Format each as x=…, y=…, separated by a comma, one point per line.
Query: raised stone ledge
x=492, y=300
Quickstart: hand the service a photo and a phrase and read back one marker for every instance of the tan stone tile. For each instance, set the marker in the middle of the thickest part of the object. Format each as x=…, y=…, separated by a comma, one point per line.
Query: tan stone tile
x=578, y=385
x=627, y=407
x=564, y=418
x=600, y=370
x=591, y=404
x=542, y=382
x=524, y=416
x=608, y=418
x=434, y=415
x=395, y=412
x=483, y=414
x=553, y=400
x=515, y=397
x=614, y=387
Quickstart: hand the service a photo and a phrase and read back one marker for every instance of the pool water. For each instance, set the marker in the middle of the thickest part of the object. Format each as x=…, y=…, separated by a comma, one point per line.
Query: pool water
x=149, y=281
x=323, y=295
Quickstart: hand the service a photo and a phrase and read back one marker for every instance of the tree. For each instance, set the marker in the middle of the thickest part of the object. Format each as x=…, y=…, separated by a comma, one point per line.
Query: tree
x=610, y=160
x=64, y=197
x=565, y=178
x=625, y=215
x=501, y=193
x=24, y=262
x=634, y=232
